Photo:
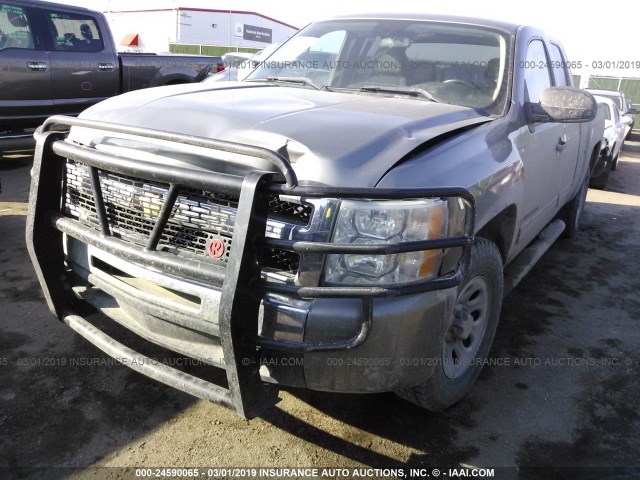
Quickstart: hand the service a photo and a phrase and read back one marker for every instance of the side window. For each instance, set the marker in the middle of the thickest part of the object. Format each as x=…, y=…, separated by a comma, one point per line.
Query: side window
x=559, y=66
x=15, y=30
x=537, y=77
x=74, y=33
x=616, y=115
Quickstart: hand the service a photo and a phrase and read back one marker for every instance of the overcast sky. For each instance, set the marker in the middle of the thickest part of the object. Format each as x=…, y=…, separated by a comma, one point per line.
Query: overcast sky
x=588, y=34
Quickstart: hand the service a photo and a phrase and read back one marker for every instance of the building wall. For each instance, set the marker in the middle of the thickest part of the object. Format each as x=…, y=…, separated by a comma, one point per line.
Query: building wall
x=196, y=26
x=157, y=29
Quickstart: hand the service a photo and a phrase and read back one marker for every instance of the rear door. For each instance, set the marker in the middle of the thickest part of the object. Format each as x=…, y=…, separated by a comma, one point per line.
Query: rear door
x=84, y=67
x=25, y=74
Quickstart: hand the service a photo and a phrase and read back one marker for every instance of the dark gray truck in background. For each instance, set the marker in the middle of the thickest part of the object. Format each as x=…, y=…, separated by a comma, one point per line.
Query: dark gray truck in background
x=59, y=59
x=346, y=219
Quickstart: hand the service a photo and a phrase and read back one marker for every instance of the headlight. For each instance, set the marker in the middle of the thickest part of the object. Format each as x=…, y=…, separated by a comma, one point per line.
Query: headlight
x=387, y=222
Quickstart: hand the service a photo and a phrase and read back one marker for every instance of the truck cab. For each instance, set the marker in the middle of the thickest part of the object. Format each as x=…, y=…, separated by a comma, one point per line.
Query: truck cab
x=56, y=59
x=61, y=59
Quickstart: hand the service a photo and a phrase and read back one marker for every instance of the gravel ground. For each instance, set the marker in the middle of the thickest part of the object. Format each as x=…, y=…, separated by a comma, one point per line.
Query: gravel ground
x=563, y=392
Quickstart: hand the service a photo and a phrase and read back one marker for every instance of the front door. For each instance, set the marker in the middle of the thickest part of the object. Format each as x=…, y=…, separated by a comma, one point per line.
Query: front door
x=84, y=66
x=25, y=73
x=541, y=147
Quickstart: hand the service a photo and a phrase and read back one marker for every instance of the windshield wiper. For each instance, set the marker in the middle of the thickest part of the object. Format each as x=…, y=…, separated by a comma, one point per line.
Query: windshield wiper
x=410, y=91
x=295, y=80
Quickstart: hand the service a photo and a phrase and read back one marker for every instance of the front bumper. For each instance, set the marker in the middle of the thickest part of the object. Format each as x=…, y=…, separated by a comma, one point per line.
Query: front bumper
x=180, y=315
x=348, y=339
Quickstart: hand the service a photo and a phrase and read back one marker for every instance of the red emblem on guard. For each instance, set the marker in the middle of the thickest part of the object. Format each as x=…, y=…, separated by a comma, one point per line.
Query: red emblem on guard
x=216, y=248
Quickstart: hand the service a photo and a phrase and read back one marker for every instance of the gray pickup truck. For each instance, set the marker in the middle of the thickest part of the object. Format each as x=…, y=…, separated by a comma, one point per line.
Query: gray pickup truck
x=347, y=219
x=59, y=59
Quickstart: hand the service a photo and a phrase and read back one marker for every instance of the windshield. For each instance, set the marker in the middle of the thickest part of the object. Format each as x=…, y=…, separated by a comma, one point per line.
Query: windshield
x=451, y=63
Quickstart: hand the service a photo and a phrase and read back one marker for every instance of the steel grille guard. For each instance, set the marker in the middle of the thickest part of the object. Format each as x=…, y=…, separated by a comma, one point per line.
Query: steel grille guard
x=241, y=282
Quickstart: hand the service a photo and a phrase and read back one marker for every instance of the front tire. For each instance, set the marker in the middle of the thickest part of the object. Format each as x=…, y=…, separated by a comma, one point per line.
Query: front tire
x=614, y=164
x=600, y=181
x=468, y=340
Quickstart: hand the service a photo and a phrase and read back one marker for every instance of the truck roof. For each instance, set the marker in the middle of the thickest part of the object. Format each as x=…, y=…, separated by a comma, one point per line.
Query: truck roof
x=41, y=3
x=595, y=91
x=506, y=26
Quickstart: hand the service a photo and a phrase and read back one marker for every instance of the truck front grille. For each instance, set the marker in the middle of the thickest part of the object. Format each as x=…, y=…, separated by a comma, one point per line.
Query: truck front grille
x=198, y=216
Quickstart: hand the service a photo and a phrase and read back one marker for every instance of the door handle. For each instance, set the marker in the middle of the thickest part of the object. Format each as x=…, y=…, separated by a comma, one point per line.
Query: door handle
x=37, y=66
x=105, y=67
x=562, y=143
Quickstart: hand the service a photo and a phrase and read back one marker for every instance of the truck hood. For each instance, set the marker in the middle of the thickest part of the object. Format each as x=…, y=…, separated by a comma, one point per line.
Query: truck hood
x=338, y=139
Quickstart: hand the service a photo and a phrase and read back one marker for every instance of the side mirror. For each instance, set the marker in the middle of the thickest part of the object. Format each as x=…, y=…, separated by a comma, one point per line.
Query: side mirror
x=563, y=105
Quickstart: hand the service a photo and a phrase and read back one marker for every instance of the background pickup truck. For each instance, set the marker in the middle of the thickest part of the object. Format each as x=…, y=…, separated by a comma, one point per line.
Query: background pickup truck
x=346, y=219
x=58, y=59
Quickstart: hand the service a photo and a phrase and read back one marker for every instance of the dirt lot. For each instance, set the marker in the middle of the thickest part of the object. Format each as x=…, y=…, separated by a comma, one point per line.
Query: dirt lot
x=567, y=394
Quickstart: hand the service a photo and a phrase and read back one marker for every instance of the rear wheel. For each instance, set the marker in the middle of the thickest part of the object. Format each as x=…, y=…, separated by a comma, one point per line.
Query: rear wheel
x=470, y=334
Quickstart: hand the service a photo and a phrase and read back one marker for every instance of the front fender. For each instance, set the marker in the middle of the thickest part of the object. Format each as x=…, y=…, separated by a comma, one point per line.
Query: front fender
x=482, y=160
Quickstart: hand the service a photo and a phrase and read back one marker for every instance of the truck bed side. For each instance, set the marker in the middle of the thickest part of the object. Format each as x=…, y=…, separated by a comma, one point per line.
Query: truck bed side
x=143, y=70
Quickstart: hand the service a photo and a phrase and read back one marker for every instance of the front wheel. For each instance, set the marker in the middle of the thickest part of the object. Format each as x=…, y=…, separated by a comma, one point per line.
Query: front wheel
x=600, y=180
x=614, y=164
x=470, y=333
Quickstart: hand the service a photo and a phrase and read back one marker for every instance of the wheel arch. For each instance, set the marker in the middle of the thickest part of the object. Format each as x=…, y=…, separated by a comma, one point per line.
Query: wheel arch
x=500, y=230
x=595, y=154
